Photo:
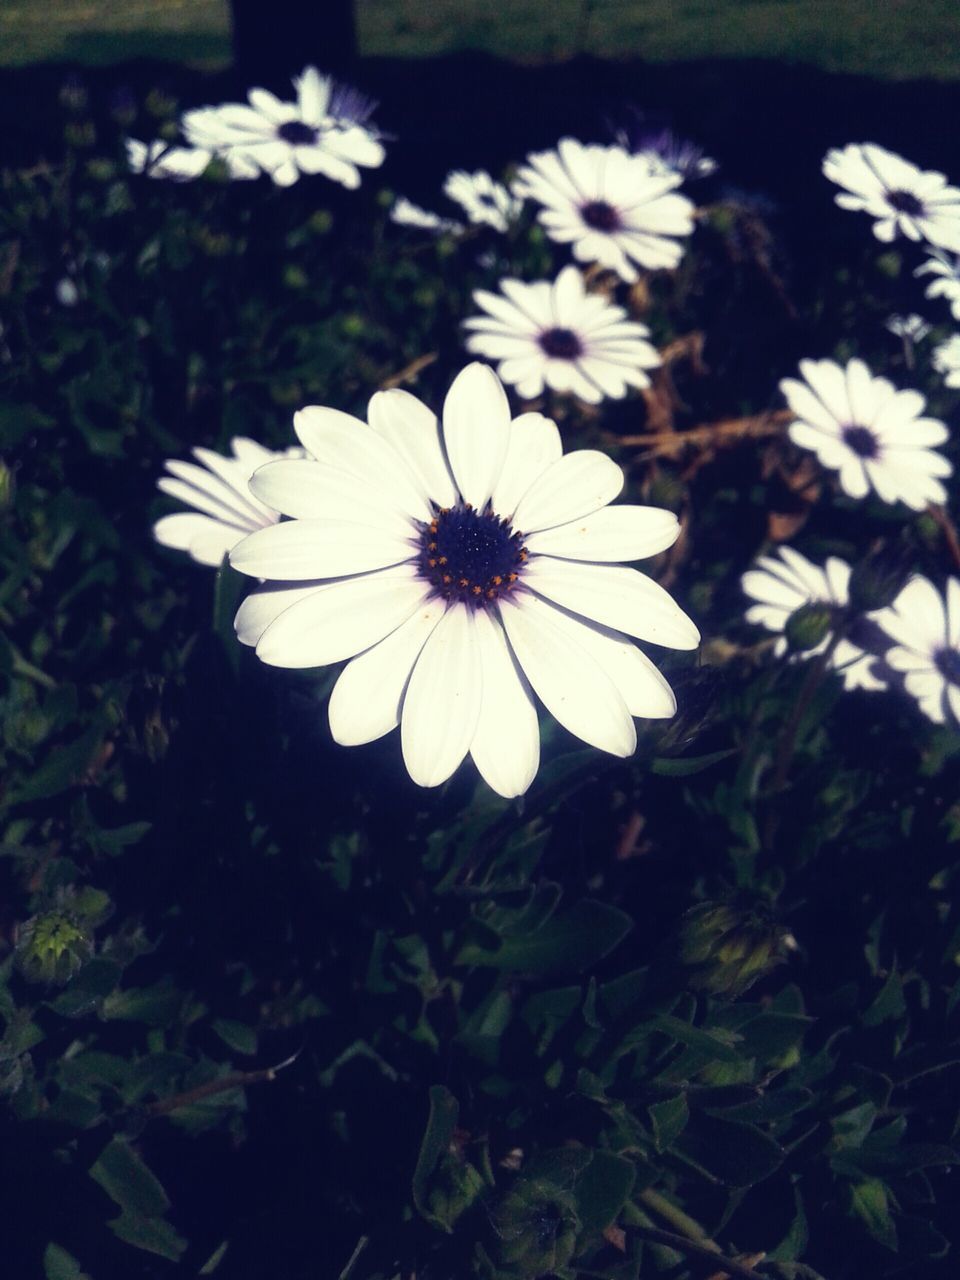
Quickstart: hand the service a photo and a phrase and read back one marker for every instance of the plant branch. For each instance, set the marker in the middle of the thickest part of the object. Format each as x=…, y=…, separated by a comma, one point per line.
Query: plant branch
x=726, y=432
x=949, y=531
x=707, y=1252
x=236, y=1080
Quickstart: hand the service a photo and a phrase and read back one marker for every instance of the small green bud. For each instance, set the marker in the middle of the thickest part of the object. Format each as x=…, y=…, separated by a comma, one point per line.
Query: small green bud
x=295, y=277
x=159, y=104
x=538, y=1227
x=52, y=947
x=727, y=948
x=321, y=222
x=880, y=577
x=808, y=626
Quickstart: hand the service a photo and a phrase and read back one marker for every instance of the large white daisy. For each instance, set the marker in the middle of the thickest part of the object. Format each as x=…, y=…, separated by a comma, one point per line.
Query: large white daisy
x=947, y=280
x=461, y=569
x=783, y=583
x=218, y=490
x=482, y=199
x=161, y=160
x=925, y=629
x=611, y=207
x=324, y=131
x=868, y=431
x=902, y=198
x=561, y=336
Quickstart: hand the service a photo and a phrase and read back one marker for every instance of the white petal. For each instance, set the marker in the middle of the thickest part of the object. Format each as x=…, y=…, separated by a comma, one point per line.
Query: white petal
x=366, y=700
x=308, y=490
x=341, y=619
x=612, y=533
x=260, y=608
x=573, y=486
x=506, y=743
x=571, y=685
x=533, y=446
x=300, y=549
x=476, y=431
x=623, y=599
x=414, y=432
x=442, y=702
x=207, y=540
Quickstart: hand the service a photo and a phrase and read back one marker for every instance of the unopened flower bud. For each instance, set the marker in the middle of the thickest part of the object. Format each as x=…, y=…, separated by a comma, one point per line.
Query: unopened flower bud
x=52, y=947
x=538, y=1226
x=727, y=948
x=880, y=577
x=808, y=626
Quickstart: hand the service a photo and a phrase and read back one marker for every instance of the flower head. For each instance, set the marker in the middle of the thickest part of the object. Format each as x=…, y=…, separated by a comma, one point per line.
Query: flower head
x=160, y=160
x=482, y=199
x=912, y=327
x=462, y=569
x=613, y=208
x=946, y=360
x=903, y=199
x=560, y=336
x=785, y=583
x=925, y=629
x=664, y=147
x=947, y=282
x=224, y=509
x=323, y=131
x=869, y=431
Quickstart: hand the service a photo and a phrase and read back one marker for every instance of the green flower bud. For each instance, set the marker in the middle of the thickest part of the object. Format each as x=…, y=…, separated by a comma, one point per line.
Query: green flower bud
x=880, y=577
x=808, y=626
x=53, y=946
x=538, y=1226
x=727, y=949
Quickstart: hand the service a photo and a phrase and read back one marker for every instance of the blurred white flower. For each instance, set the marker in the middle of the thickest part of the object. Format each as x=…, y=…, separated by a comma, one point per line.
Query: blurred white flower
x=912, y=327
x=784, y=583
x=407, y=214
x=902, y=198
x=925, y=629
x=461, y=569
x=324, y=131
x=868, y=431
x=161, y=160
x=224, y=509
x=947, y=282
x=612, y=208
x=561, y=336
x=482, y=199
x=946, y=360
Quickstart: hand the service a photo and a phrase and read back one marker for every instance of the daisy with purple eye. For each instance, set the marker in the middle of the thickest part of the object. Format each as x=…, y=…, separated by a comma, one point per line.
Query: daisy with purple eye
x=558, y=335
x=868, y=431
x=483, y=200
x=324, y=131
x=903, y=199
x=925, y=629
x=218, y=490
x=618, y=210
x=461, y=569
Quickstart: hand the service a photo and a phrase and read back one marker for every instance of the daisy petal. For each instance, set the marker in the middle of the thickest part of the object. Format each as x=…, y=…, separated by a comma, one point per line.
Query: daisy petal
x=442, y=702
x=301, y=549
x=506, y=744
x=573, y=486
x=533, y=446
x=414, y=432
x=612, y=533
x=260, y=608
x=306, y=490
x=476, y=431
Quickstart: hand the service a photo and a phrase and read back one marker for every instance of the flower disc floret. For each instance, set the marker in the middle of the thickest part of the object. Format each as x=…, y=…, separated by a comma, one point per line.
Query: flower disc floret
x=470, y=556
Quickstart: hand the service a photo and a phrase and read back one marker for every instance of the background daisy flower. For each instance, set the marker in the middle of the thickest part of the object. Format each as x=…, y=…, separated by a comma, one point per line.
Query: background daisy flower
x=482, y=199
x=868, y=431
x=925, y=629
x=946, y=360
x=218, y=489
x=559, y=335
x=287, y=139
x=785, y=582
x=610, y=207
x=407, y=214
x=461, y=569
x=902, y=198
x=947, y=282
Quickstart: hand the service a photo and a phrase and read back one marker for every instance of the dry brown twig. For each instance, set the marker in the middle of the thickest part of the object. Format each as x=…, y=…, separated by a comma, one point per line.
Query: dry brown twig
x=726, y=432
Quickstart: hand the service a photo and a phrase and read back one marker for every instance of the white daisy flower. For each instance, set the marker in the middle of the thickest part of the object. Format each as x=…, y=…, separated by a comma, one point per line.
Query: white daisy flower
x=947, y=282
x=912, y=327
x=161, y=160
x=784, y=583
x=869, y=431
x=613, y=208
x=902, y=198
x=925, y=629
x=224, y=509
x=461, y=569
x=482, y=199
x=946, y=360
x=322, y=132
x=407, y=214
x=561, y=336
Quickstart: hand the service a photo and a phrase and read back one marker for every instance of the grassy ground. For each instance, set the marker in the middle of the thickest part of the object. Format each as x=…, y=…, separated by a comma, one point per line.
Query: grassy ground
x=893, y=39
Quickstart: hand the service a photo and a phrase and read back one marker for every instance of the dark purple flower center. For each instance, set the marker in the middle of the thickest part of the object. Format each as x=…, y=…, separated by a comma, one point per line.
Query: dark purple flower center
x=948, y=664
x=905, y=202
x=601, y=216
x=561, y=344
x=862, y=441
x=297, y=133
x=470, y=556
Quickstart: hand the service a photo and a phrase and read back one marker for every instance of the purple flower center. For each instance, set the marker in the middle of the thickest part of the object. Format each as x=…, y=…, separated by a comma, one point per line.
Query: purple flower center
x=601, y=216
x=297, y=133
x=862, y=441
x=470, y=556
x=948, y=664
x=905, y=202
x=561, y=344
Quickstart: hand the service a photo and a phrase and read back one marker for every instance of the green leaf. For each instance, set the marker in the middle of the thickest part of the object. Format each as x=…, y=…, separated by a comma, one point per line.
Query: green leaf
x=153, y=1235
x=60, y=1265
x=441, y=1123
x=128, y=1181
x=889, y=1003
x=568, y=943
x=706, y=1042
x=602, y=1190
x=868, y=1202
x=737, y=1154
x=239, y=1037
x=687, y=766
x=669, y=1120
x=215, y=1259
